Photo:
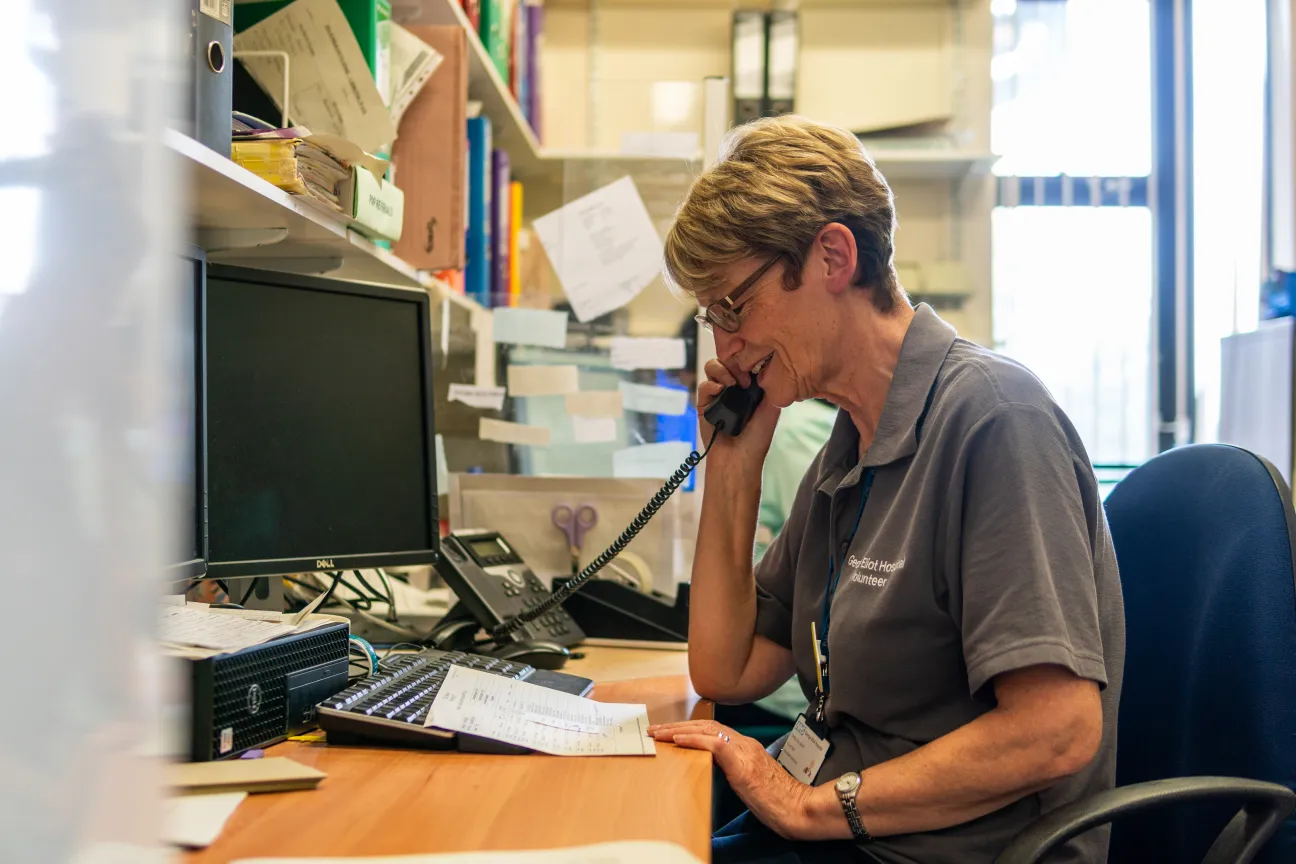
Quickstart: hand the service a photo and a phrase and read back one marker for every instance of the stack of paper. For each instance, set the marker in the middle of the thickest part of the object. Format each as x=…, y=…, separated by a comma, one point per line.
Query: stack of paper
x=272, y=774
x=315, y=166
x=194, y=630
x=195, y=821
x=528, y=715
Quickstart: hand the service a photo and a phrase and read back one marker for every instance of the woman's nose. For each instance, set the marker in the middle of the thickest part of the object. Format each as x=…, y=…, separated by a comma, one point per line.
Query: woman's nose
x=727, y=344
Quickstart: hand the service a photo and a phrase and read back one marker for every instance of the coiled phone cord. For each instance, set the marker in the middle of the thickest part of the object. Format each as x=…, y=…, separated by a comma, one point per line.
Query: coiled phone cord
x=573, y=585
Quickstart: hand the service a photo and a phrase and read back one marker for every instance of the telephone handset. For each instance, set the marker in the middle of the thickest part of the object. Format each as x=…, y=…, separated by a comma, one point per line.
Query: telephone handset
x=729, y=414
x=734, y=406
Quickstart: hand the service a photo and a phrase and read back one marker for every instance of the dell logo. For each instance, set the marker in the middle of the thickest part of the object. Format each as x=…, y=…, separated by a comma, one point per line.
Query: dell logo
x=324, y=564
x=254, y=699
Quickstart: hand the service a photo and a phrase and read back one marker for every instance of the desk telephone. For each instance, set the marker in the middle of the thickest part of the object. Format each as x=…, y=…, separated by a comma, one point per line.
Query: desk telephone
x=498, y=592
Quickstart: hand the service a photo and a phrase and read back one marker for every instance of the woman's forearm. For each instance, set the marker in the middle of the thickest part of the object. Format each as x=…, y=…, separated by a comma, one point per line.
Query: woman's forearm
x=722, y=599
x=991, y=762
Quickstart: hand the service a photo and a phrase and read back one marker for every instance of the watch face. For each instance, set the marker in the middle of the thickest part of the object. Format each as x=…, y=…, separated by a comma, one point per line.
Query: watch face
x=848, y=783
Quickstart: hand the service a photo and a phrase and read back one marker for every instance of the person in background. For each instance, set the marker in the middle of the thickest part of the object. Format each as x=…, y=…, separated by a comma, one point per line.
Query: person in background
x=944, y=588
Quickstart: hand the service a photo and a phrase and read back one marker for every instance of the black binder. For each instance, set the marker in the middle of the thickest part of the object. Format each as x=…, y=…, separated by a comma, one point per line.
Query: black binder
x=211, y=74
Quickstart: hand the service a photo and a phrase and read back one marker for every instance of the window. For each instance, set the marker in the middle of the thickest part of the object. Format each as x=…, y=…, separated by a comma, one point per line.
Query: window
x=1072, y=231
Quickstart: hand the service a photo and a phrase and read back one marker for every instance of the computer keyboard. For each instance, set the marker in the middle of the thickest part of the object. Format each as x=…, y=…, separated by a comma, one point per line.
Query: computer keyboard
x=390, y=707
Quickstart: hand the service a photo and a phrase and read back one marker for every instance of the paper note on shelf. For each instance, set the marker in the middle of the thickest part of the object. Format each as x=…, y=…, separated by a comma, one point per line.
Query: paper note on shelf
x=412, y=63
x=442, y=472
x=677, y=145
x=542, y=380
x=478, y=397
x=529, y=715
x=594, y=430
x=594, y=403
x=543, y=327
x=648, y=399
x=512, y=433
x=332, y=89
x=629, y=352
x=621, y=852
x=195, y=821
x=658, y=460
x=604, y=248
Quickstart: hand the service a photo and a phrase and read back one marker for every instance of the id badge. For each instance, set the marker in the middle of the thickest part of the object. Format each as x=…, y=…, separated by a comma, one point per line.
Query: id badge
x=805, y=750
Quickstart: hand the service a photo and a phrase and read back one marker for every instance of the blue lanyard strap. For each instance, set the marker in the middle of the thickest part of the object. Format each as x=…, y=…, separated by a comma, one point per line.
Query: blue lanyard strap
x=834, y=572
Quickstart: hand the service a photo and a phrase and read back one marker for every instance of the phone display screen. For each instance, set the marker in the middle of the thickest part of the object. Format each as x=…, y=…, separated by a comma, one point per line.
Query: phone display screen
x=486, y=548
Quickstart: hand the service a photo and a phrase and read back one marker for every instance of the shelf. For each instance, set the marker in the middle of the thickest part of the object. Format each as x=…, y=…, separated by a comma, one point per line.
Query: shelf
x=509, y=128
x=230, y=207
x=933, y=164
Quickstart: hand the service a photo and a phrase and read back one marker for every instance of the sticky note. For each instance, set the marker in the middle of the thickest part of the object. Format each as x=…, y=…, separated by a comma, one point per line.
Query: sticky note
x=478, y=397
x=634, y=353
x=595, y=403
x=659, y=460
x=594, y=430
x=512, y=433
x=649, y=399
x=442, y=470
x=542, y=327
x=542, y=380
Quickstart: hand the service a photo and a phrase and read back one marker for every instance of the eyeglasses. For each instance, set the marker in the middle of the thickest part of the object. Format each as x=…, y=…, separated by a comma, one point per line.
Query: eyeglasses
x=722, y=313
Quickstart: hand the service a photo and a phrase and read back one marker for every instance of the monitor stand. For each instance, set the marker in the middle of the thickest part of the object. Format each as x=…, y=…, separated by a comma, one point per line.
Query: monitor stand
x=268, y=595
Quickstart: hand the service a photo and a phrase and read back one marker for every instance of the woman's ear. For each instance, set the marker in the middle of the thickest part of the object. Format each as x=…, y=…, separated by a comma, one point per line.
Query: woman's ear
x=840, y=256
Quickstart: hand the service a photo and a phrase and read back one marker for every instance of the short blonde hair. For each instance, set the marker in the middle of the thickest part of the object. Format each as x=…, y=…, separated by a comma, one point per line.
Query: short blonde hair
x=778, y=182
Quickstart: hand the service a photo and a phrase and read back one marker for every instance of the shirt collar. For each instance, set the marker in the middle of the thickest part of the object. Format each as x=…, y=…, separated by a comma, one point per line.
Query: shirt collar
x=926, y=344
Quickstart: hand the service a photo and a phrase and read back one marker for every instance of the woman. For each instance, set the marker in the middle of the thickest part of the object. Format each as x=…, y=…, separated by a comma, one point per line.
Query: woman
x=970, y=653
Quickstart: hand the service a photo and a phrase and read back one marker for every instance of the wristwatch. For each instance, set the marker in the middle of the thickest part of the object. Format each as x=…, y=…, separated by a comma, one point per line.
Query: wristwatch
x=847, y=786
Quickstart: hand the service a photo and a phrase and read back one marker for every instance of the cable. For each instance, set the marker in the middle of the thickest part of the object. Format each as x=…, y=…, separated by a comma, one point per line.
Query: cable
x=391, y=598
x=399, y=645
x=365, y=648
x=247, y=595
x=501, y=631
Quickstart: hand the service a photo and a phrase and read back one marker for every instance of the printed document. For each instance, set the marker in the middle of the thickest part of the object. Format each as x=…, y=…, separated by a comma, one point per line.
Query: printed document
x=529, y=715
x=603, y=247
x=331, y=87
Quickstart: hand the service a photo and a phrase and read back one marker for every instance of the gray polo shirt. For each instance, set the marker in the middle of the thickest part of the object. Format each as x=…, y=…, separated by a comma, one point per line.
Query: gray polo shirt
x=983, y=548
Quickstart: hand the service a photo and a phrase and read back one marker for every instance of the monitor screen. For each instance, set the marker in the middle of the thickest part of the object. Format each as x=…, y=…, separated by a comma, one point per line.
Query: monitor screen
x=319, y=419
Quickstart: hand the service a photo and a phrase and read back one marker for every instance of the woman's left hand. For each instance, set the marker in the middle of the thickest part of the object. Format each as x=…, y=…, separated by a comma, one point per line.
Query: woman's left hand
x=773, y=795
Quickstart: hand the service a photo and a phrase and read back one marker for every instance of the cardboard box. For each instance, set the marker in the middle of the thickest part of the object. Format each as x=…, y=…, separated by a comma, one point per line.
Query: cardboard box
x=429, y=155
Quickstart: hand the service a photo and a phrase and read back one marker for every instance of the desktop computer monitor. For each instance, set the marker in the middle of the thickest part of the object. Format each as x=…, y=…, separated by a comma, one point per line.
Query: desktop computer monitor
x=320, y=449
x=184, y=445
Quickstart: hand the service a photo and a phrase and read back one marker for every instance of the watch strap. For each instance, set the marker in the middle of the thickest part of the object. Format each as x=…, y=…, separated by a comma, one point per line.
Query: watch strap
x=852, y=815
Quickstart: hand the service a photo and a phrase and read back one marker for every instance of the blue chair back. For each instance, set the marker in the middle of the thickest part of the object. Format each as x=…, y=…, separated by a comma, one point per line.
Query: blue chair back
x=1205, y=536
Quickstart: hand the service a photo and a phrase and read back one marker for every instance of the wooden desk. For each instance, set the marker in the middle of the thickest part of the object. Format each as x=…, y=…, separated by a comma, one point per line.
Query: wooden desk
x=379, y=801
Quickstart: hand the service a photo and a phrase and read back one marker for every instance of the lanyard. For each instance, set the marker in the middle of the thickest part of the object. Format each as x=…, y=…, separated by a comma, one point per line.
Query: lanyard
x=834, y=576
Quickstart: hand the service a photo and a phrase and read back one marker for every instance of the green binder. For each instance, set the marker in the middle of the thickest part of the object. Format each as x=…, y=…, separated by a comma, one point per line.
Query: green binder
x=496, y=31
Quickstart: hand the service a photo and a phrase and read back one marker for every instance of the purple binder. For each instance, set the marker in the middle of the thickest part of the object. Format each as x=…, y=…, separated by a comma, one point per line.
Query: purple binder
x=534, y=34
x=500, y=229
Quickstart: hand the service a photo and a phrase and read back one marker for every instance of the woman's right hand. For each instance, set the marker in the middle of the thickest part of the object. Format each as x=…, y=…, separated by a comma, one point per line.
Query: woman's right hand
x=747, y=450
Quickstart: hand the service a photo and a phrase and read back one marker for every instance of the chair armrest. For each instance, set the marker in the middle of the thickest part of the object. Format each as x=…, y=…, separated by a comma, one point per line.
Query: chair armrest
x=1264, y=807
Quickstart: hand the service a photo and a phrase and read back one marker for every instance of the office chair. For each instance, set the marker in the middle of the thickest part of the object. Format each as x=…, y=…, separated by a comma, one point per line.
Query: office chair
x=1205, y=537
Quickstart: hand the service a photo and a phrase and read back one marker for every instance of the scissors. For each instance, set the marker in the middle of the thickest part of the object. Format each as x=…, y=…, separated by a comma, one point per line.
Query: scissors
x=575, y=524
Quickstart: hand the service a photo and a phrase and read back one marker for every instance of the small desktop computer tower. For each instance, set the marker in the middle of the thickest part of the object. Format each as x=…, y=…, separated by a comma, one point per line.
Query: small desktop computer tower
x=260, y=695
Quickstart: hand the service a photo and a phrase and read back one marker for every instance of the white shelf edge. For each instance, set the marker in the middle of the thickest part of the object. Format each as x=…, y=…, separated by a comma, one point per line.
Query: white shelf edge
x=190, y=149
x=409, y=278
